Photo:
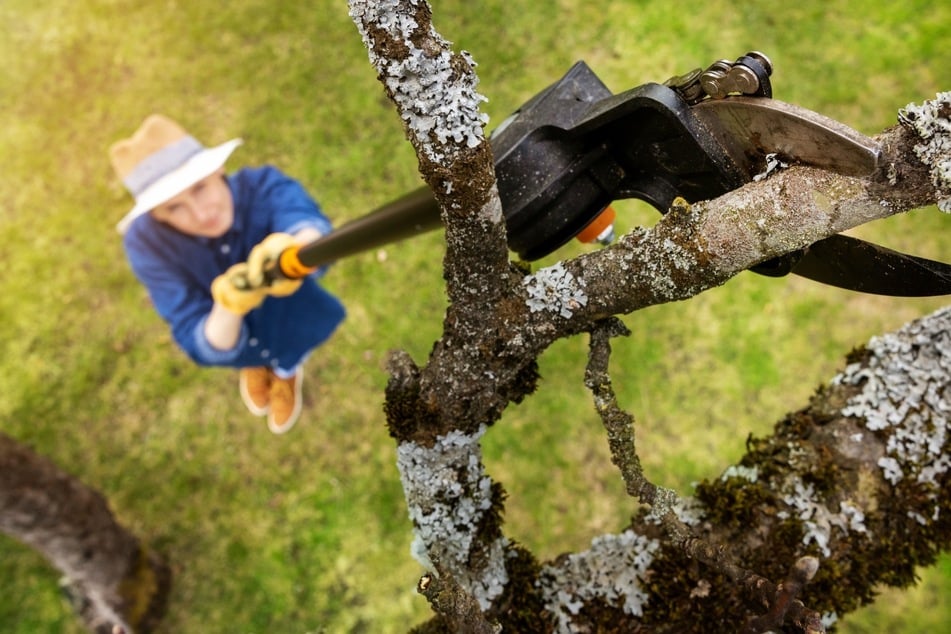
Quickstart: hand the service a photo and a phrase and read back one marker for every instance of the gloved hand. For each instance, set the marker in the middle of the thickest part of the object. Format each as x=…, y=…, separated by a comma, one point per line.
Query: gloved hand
x=233, y=290
x=264, y=255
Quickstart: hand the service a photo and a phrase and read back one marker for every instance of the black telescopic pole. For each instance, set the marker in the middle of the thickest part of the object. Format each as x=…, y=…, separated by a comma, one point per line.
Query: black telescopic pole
x=415, y=213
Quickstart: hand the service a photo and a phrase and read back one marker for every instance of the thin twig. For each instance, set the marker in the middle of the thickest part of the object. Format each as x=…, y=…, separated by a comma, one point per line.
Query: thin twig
x=785, y=603
x=618, y=423
x=779, y=601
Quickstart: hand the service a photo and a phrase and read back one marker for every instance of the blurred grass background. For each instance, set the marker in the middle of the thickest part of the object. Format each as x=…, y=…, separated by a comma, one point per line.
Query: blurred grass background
x=308, y=532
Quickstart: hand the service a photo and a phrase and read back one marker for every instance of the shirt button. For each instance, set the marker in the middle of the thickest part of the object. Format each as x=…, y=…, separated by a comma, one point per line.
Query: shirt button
x=253, y=341
x=265, y=354
x=226, y=248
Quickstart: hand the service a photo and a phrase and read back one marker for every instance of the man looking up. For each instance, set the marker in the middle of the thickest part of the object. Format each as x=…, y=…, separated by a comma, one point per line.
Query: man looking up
x=200, y=241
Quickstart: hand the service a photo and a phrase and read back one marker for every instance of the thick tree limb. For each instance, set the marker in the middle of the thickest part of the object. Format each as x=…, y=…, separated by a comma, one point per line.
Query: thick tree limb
x=435, y=92
x=459, y=609
x=500, y=319
x=115, y=584
x=859, y=479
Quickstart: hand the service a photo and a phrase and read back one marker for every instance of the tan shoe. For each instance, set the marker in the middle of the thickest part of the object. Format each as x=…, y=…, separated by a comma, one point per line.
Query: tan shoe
x=255, y=387
x=286, y=403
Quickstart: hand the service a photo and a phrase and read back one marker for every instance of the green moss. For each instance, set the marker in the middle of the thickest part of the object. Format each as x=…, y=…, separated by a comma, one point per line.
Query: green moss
x=860, y=354
x=735, y=502
x=145, y=591
x=520, y=608
x=524, y=383
x=673, y=574
x=406, y=414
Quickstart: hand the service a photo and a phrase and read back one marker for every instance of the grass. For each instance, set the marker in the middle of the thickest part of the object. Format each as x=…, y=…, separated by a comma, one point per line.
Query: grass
x=308, y=533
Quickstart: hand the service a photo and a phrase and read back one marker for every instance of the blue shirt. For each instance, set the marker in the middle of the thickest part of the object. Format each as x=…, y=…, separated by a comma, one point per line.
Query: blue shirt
x=177, y=269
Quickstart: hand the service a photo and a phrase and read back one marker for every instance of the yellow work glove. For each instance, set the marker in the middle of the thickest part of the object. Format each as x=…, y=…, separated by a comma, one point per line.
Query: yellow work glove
x=264, y=256
x=233, y=290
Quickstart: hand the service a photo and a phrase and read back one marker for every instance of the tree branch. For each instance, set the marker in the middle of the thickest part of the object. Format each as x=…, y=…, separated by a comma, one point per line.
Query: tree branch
x=500, y=319
x=113, y=582
x=618, y=424
x=859, y=480
x=697, y=247
x=460, y=611
x=435, y=91
x=664, y=503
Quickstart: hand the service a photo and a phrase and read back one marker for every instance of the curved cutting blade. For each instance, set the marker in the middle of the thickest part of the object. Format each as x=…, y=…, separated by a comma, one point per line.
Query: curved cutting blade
x=751, y=128
x=857, y=265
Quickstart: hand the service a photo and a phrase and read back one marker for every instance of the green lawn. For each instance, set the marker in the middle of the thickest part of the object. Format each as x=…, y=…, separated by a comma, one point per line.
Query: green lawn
x=308, y=532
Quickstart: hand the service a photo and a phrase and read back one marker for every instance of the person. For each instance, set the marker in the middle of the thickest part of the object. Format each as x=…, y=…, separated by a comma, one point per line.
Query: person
x=200, y=240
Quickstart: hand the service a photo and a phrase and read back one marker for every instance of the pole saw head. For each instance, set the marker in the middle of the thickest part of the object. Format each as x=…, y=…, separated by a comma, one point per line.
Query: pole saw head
x=575, y=147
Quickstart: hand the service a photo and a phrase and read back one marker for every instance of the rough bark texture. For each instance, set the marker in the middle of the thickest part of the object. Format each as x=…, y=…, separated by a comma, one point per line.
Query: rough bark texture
x=858, y=479
x=112, y=581
x=742, y=555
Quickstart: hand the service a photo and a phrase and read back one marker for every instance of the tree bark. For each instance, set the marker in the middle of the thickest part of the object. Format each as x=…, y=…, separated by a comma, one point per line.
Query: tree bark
x=741, y=555
x=114, y=583
x=859, y=479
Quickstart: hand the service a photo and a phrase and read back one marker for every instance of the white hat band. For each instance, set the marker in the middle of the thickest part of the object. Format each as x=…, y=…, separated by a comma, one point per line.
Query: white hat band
x=160, y=163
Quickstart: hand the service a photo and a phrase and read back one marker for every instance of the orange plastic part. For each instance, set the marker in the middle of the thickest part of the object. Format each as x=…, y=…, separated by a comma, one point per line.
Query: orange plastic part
x=601, y=222
x=291, y=266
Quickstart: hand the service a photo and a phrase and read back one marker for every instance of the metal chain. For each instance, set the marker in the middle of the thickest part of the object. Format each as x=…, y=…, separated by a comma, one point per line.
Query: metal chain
x=748, y=75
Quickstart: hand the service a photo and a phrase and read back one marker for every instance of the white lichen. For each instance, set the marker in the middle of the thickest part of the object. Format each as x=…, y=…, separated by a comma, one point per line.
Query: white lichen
x=689, y=510
x=829, y=619
x=750, y=474
x=773, y=164
x=817, y=518
x=891, y=470
x=612, y=570
x=554, y=289
x=932, y=122
x=852, y=516
x=660, y=267
x=918, y=517
x=447, y=493
x=905, y=396
x=438, y=103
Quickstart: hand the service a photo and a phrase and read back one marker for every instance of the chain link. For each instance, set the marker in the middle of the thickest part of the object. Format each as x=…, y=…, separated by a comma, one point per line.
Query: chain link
x=748, y=75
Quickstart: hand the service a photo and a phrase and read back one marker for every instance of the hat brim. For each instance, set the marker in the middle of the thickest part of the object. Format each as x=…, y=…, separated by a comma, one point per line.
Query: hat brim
x=196, y=168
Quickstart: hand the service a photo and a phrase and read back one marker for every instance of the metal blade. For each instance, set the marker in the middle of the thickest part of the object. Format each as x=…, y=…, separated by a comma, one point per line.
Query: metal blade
x=857, y=265
x=751, y=128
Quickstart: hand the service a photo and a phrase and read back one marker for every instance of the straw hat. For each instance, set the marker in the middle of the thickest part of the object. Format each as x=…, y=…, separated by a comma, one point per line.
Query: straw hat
x=160, y=161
